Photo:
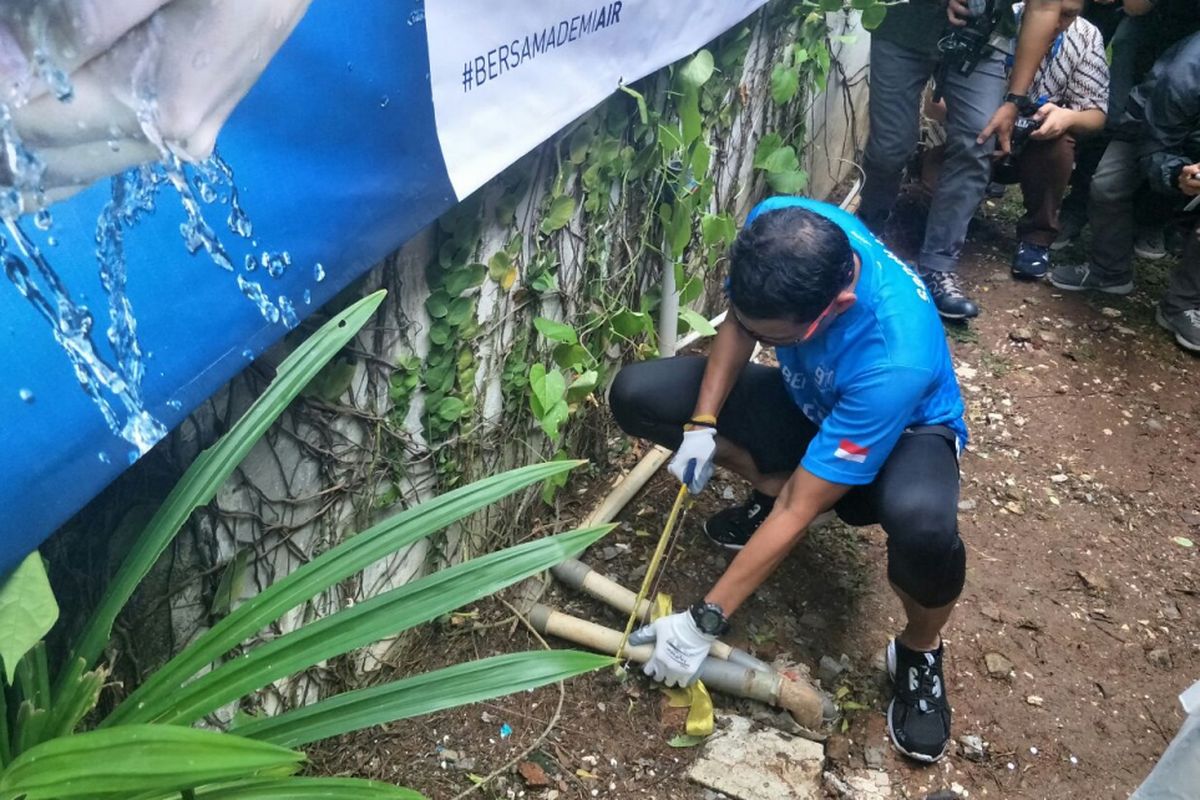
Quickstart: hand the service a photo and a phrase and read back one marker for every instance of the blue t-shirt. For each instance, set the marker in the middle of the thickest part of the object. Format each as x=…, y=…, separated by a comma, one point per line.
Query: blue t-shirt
x=877, y=369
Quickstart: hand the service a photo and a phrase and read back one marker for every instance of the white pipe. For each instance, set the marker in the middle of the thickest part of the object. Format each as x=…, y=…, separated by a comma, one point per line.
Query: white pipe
x=668, y=311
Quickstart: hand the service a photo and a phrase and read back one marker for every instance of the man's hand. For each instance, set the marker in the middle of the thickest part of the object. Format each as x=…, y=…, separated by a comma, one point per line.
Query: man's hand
x=1056, y=121
x=1000, y=126
x=958, y=12
x=1189, y=180
x=679, y=648
x=693, y=462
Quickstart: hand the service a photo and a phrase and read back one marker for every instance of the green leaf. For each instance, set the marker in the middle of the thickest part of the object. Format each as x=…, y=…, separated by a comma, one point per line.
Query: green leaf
x=691, y=122
x=461, y=309
x=464, y=278
x=583, y=385
x=137, y=759
x=559, y=214
x=697, y=71
x=696, y=322
x=717, y=229
x=298, y=788
x=440, y=332
x=572, y=356
x=830, y=6
x=28, y=611
x=862, y=5
x=229, y=588
x=785, y=82
x=326, y=570
x=369, y=621
x=437, y=304
x=556, y=331
x=782, y=160
x=643, y=112
x=1182, y=541
x=686, y=740
x=630, y=324
x=873, y=17
x=547, y=399
x=451, y=409
x=422, y=694
x=544, y=283
x=791, y=182
x=499, y=265
x=767, y=146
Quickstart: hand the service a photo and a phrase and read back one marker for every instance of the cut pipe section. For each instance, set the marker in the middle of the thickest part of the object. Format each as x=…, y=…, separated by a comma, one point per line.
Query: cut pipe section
x=581, y=577
x=807, y=706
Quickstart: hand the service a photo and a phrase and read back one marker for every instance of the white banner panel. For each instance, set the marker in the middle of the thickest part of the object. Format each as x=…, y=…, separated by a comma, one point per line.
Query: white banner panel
x=507, y=75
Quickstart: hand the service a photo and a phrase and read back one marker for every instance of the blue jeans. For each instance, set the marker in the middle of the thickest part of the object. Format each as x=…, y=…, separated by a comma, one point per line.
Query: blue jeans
x=898, y=80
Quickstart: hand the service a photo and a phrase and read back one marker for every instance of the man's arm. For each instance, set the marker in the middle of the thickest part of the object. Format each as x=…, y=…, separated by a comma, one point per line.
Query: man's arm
x=1057, y=121
x=1172, y=117
x=730, y=351
x=1038, y=25
x=802, y=499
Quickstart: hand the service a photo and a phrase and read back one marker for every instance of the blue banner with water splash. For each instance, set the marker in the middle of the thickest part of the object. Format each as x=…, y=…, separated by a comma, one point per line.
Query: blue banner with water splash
x=141, y=276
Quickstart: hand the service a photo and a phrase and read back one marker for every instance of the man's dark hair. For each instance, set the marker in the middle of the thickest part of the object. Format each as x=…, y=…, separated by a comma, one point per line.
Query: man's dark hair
x=789, y=264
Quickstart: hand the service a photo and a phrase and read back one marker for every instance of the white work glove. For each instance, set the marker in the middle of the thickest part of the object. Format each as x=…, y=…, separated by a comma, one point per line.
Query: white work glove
x=679, y=648
x=693, y=461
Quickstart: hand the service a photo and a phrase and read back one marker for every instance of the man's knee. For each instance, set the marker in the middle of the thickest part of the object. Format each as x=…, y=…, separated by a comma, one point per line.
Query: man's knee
x=628, y=398
x=926, y=556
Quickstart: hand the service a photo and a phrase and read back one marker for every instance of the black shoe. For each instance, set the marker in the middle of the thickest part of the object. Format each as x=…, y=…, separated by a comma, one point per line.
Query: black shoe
x=733, y=527
x=1031, y=261
x=948, y=295
x=919, y=715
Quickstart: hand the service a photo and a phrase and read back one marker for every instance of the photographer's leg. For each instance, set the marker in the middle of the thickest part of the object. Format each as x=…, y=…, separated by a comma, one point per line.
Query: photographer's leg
x=970, y=102
x=898, y=76
x=1045, y=170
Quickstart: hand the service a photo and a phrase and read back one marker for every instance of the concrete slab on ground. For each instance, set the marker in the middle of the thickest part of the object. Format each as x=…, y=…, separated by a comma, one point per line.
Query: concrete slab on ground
x=763, y=764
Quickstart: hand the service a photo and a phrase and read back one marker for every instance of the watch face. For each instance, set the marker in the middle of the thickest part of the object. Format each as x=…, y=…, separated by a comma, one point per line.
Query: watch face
x=710, y=621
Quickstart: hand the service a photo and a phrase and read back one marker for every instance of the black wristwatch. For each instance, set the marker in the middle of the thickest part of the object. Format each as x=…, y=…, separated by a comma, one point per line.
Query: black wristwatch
x=1024, y=103
x=709, y=618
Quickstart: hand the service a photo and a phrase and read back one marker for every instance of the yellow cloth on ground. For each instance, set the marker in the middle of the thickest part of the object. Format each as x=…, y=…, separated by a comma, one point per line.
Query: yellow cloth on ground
x=695, y=698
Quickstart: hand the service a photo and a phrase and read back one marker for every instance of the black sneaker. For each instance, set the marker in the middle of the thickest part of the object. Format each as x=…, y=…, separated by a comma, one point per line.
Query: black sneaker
x=733, y=527
x=948, y=295
x=1031, y=261
x=919, y=715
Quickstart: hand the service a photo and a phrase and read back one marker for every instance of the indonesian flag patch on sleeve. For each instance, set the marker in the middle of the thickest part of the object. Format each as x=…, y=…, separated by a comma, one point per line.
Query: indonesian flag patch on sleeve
x=850, y=451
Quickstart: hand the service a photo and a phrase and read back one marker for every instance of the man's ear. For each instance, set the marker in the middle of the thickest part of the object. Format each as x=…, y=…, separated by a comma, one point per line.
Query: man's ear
x=845, y=299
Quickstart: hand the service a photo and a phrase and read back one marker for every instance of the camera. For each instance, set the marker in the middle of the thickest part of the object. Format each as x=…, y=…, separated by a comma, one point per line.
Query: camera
x=962, y=48
x=1022, y=129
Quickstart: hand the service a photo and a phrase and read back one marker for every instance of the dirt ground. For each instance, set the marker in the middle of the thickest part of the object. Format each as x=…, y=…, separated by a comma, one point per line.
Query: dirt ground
x=1075, y=633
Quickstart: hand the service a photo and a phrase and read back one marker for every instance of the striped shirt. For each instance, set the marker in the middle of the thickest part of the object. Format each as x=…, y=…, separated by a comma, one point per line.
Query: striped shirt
x=1074, y=74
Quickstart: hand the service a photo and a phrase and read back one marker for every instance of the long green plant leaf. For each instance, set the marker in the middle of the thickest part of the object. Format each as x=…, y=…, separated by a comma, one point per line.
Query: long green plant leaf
x=365, y=623
x=326, y=570
x=307, y=789
x=422, y=694
x=136, y=759
x=206, y=474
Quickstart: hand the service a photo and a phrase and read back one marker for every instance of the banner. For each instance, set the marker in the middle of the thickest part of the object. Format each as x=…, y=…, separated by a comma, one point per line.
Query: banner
x=341, y=129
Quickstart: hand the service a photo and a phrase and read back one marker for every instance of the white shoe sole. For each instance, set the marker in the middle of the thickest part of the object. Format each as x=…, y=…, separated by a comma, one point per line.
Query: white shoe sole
x=1118, y=288
x=891, y=669
x=1183, y=341
x=1063, y=244
x=1149, y=255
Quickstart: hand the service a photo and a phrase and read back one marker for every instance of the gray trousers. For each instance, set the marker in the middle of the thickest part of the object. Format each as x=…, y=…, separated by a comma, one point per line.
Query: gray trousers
x=898, y=79
x=1110, y=211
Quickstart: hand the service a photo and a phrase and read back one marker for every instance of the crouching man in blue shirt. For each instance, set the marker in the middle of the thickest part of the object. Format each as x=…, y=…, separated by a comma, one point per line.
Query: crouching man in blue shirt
x=863, y=416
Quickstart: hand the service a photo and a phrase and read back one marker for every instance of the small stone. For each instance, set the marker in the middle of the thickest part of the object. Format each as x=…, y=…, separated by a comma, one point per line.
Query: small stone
x=449, y=755
x=1160, y=657
x=812, y=619
x=972, y=747
x=1121, y=329
x=837, y=748
x=998, y=666
x=1154, y=425
x=1170, y=610
x=1049, y=337
x=874, y=756
x=727, y=493
x=1034, y=700
x=1111, y=313
x=533, y=774
x=1059, y=478
x=830, y=669
x=465, y=764
x=1097, y=584
x=1015, y=507
x=967, y=505
x=1020, y=334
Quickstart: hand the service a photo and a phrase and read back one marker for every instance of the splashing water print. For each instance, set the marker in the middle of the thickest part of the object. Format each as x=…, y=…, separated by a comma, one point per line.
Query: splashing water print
x=114, y=384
